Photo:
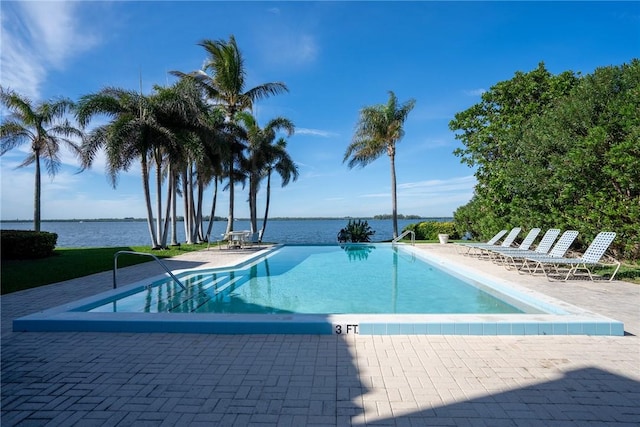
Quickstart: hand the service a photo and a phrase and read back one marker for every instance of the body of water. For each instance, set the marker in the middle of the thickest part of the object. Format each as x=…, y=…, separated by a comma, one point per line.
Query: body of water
x=77, y=234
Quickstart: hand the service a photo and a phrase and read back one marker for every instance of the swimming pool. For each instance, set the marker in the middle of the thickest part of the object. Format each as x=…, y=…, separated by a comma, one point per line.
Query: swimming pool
x=373, y=279
x=359, y=289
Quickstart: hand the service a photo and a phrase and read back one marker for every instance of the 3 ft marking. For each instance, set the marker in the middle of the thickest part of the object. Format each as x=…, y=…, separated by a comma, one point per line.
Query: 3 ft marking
x=346, y=329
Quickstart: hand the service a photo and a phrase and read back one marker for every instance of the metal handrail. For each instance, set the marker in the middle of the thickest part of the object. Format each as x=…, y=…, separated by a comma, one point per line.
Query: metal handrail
x=413, y=237
x=115, y=267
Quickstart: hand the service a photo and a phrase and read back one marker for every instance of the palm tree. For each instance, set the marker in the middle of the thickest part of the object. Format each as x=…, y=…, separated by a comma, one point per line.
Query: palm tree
x=278, y=159
x=259, y=153
x=197, y=126
x=133, y=132
x=378, y=130
x=226, y=87
x=42, y=125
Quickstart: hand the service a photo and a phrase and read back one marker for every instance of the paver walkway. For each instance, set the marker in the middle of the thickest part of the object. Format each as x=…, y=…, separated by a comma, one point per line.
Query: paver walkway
x=124, y=379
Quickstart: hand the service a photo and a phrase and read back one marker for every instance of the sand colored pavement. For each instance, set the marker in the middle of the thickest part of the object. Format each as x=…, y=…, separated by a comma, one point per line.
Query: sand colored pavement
x=126, y=379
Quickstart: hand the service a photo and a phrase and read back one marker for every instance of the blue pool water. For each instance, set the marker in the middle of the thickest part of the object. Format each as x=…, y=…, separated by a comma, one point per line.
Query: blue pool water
x=371, y=290
x=332, y=279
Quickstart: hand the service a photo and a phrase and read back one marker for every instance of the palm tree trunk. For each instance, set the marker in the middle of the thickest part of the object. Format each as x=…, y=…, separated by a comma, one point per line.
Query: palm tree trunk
x=394, y=200
x=231, y=199
x=266, y=209
x=213, y=208
x=167, y=216
x=192, y=206
x=199, y=226
x=185, y=199
x=253, y=196
x=38, y=191
x=147, y=199
x=174, y=219
x=158, y=159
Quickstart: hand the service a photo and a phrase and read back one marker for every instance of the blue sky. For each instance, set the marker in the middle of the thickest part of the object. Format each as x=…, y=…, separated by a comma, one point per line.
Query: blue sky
x=335, y=57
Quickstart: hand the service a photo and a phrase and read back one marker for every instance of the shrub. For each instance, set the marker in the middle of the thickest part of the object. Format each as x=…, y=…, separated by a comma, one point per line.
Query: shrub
x=355, y=232
x=26, y=244
x=429, y=230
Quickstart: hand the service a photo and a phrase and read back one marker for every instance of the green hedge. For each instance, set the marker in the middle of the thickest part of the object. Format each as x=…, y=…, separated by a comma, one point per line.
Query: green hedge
x=26, y=244
x=429, y=230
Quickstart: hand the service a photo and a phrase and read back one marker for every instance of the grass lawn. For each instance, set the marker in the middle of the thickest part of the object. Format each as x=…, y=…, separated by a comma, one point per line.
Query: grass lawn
x=69, y=263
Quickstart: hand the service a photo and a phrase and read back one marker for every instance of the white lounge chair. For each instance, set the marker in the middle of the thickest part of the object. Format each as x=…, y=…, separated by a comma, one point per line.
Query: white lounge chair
x=557, y=252
x=491, y=241
x=523, y=246
x=508, y=256
x=483, y=247
x=590, y=258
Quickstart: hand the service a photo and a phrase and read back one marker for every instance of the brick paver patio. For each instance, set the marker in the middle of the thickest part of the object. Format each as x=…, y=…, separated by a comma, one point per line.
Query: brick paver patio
x=124, y=379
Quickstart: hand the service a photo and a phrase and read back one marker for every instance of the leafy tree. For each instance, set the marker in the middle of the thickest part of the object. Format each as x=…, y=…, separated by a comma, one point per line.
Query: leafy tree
x=378, y=130
x=44, y=126
x=492, y=133
x=558, y=151
x=591, y=142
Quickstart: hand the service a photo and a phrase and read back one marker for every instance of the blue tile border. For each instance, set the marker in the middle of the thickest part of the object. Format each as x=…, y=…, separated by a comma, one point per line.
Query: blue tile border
x=311, y=324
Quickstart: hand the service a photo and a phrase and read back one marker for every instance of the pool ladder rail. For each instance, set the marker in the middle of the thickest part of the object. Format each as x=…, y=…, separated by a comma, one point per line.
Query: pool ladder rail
x=400, y=237
x=115, y=267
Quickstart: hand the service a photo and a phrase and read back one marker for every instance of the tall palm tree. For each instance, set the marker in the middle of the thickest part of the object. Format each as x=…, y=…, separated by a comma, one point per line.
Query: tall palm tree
x=278, y=159
x=196, y=125
x=225, y=86
x=133, y=132
x=259, y=150
x=44, y=126
x=378, y=130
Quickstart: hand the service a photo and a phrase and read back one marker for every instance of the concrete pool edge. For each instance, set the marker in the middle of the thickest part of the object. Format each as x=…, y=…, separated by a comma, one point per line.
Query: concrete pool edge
x=564, y=320
x=369, y=324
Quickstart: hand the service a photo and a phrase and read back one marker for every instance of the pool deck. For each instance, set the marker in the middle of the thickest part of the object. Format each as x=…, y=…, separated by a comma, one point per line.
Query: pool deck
x=128, y=379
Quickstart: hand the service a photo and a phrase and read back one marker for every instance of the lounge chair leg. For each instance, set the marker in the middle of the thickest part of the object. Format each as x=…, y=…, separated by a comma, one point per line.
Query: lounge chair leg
x=616, y=270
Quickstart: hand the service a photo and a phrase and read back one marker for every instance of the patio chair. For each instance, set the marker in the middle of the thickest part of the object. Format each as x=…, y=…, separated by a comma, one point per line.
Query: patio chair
x=253, y=239
x=491, y=241
x=590, y=258
x=482, y=248
x=237, y=239
x=223, y=236
x=523, y=246
x=508, y=256
x=557, y=252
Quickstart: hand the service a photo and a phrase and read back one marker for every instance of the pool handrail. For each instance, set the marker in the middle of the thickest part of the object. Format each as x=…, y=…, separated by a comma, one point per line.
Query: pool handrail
x=115, y=267
x=413, y=237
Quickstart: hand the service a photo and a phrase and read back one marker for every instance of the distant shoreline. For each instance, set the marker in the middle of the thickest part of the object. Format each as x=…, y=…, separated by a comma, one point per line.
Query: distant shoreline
x=404, y=217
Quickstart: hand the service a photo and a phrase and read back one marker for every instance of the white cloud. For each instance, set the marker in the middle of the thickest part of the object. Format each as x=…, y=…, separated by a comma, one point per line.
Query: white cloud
x=475, y=92
x=82, y=205
x=438, y=186
x=288, y=47
x=315, y=132
x=375, y=195
x=18, y=191
x=37, y=36
x=68, y=195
